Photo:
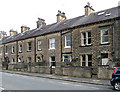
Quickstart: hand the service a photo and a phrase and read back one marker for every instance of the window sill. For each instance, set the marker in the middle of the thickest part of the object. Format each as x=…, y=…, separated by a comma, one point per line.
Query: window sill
x=86, y=45
x=39, y=50
x=104, y=43
x=52, y=49
x=29, y=51
x=6, y=53
x=20, y=52
x=67, y=47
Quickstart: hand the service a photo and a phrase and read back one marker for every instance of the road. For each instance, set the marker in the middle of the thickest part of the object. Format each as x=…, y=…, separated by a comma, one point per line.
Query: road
x=22, y=82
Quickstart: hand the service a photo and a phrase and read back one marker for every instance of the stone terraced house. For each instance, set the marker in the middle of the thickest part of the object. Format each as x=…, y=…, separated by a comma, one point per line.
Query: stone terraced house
x=92, y=39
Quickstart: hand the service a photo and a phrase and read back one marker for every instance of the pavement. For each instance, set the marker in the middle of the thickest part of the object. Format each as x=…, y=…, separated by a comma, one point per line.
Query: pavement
x=65, y=78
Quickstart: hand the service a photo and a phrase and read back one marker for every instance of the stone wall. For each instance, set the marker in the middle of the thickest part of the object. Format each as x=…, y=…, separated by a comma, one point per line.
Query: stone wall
x=104, y=72
x=74, y=71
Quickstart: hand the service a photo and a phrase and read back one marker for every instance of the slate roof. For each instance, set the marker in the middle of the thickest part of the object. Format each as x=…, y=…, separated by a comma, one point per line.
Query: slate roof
x=67, y=24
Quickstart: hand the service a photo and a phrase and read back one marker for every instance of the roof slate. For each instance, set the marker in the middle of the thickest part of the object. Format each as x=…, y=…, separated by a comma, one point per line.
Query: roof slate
x=66, y=24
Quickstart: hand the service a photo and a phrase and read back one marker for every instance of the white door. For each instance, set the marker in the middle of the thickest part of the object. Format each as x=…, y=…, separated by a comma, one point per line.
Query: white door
x=52, y=61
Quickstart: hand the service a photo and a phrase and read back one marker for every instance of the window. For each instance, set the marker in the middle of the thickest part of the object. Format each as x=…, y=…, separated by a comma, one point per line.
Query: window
x=20, y=48
x=86, y=38
x=83, y=39
x=104, y=57
x=104, y=36
x=83, y=60
x=52, y=61
x=52, y=43
x=13, y=49
x=19, y=60
x=39, y=44
x=6, y=49
x=67, y=42
x=65, y=58
x=89, y=60
x=29, y=46
x=13, y=60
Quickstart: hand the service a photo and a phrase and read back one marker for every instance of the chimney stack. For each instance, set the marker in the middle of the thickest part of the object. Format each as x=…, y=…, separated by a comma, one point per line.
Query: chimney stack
x=3, y=34
x=60, y=16
x=88, y=9
x=119, y=3
x=12, y=32
x=24, y=28
x=40, y=23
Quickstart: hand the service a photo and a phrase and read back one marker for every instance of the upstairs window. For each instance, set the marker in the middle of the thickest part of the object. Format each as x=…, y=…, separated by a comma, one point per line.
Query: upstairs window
x=52, y=43
x=104, y=36
x=86, y=38
x=13, y=49
x=20, y=48
x=83, y=39
x=39, y=44
x=29, y=46
x=67, y=42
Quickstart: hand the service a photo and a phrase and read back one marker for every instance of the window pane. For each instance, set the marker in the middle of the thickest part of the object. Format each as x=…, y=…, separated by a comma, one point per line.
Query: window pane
x=89, y=40
x=89, y=63
x=105, y=39
x=104, y=55
x=83, y=63
x=67, y=37
x=89, y=34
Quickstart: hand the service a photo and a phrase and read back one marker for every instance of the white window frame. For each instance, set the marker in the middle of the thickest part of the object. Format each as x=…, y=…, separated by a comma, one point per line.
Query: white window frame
x=29, y=46
x=51, y=43
x=67, y=41
x=102, y=36
x=82, y=60
x=82, y=39
x=39, y=44
x=87, y=38
x=64, y=58
x=20, y=48
x=13, y=49
x=89, y=60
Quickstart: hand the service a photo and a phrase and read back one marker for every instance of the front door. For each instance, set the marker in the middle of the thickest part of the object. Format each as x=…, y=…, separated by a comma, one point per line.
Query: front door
x=52, y=62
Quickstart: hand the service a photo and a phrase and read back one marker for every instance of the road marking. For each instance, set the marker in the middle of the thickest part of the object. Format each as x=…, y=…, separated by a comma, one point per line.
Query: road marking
x=65, y=83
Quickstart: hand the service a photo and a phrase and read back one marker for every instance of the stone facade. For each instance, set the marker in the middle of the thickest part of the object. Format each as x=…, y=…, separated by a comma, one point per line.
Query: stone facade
x=90, y=44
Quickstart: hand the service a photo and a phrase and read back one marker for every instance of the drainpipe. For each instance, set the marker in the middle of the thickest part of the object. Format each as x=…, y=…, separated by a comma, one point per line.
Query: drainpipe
x=113, y=40
x=61, y=44
x=17, y=51
x=35, y=49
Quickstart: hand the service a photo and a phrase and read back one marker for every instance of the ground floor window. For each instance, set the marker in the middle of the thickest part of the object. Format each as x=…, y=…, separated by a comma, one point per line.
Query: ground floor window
x=19, y=60
x=52, y=61
x=67, y=58
x=13, y=60
x=104, y=57
x=86, y=60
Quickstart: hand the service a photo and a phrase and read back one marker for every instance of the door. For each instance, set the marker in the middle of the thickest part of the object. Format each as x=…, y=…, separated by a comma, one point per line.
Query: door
x=52, y=62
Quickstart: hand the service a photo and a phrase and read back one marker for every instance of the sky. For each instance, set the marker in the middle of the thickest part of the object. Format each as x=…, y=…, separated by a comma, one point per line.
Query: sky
x=15, y=13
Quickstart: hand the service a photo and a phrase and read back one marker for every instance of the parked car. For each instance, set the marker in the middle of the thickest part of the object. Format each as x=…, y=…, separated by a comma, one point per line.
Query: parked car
x=115, y=82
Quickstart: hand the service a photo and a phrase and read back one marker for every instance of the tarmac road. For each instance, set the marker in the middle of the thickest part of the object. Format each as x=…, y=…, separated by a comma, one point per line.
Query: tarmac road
x=22, y=82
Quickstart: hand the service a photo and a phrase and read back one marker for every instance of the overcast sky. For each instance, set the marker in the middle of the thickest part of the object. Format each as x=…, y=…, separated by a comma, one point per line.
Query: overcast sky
x=15, y=13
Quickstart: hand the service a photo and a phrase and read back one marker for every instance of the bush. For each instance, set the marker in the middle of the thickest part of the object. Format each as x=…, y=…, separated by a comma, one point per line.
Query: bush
x=39, y=63
x=117, y=64
x=25, y=66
